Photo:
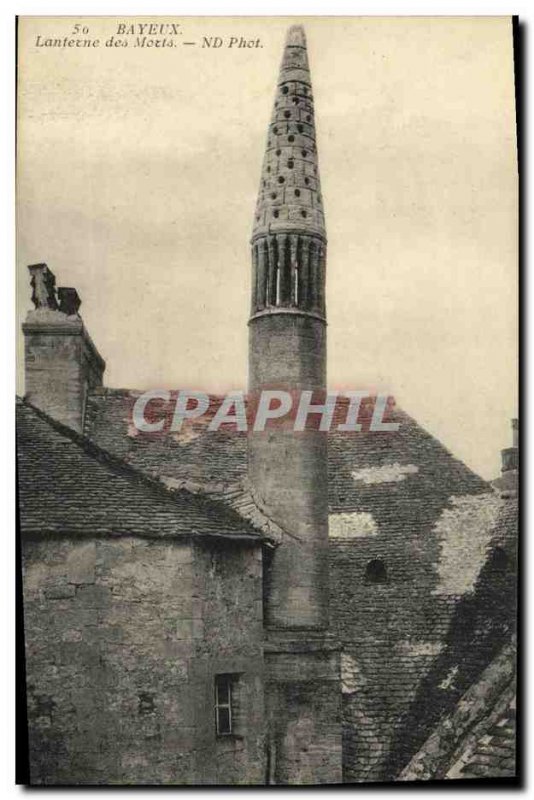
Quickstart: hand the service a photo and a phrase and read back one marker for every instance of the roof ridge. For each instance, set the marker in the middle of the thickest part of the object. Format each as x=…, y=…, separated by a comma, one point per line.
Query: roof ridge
x=156, y=484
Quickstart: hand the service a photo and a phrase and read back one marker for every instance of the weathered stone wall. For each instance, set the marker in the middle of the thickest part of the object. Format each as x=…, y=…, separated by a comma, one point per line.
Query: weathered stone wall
x=228, y=588
x=122, y=641
x=303, y=703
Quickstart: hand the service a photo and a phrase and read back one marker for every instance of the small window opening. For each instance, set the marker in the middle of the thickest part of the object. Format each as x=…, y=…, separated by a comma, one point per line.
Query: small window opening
x=297, y=192
x=304, y=153
x=287, y=114
x=300, y=128
x=307, y=181
x=290, y=163
x=285, y=90
x=281, y=179
x=273, y=195
x=296, y=101
x=376, y=572
x=304, y=213
x=225, y=704
x=308, y=117
x=278, y=152
x=275, y=213
x=275, y=130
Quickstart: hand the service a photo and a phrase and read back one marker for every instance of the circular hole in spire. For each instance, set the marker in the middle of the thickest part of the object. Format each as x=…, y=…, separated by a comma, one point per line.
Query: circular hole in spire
x=281, y=179
x=285, y=90
x=275, y=130
x=275, y=213
x=297, y=192
x=268, y=169
x=304, y=90
x=287, y=114
x=304, y=153
x=303, y=213
x=291, y=138
x=308, y=117
x=290, y=163
x=278, y=152
x=300, y=128
x=273, y=195
x=295, y=101
x=307, y=181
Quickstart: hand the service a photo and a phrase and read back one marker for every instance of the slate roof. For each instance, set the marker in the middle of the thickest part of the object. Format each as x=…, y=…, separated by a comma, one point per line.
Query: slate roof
x=70, y=486
x=220, y=459
x=477, y=737
x=493, y=753
x=481, y=634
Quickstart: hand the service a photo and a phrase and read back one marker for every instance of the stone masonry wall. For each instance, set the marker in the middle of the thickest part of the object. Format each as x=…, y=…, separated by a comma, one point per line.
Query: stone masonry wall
x=120, y=652
x=228, y=589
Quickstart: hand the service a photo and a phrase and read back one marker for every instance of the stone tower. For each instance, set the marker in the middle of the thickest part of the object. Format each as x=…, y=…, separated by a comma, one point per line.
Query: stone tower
x=288, y=469
x=287, y=345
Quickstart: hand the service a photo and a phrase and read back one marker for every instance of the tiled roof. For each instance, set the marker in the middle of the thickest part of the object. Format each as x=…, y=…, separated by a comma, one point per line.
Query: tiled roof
x=415, y=470
x=493, y=753
x=477, y=737
x=70, y=486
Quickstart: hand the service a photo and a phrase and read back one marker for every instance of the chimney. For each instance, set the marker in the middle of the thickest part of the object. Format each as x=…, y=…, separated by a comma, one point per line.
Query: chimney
x=61, y=362
x=510, y=455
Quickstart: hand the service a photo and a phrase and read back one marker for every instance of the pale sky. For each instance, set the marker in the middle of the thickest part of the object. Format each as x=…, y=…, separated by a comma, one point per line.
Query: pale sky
x=137, y=178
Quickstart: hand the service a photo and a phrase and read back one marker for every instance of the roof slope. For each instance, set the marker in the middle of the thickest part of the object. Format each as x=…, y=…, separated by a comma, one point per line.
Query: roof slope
x=69, y=486
x=409, y=468
x=476, y=739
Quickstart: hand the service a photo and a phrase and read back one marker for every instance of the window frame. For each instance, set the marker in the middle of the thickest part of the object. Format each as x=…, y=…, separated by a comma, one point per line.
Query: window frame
x=229, y=681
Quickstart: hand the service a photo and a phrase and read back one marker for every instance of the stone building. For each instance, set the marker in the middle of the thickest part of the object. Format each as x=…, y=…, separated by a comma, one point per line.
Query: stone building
x=209, y=607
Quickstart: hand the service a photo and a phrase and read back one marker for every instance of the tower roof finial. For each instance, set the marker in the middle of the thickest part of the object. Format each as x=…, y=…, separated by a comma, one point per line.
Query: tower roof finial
x=290, y=198
x=296, y=36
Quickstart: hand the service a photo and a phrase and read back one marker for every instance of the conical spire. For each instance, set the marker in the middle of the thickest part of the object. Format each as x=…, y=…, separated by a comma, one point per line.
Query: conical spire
x=288, y=237
x=290, y=192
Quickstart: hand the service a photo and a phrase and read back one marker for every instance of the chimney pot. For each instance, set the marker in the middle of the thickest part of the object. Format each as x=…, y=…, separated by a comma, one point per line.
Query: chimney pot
x=69, y=300
x=43, y=283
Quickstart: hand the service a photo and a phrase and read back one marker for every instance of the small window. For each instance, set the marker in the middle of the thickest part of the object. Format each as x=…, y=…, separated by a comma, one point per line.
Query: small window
x=225, y=702
x=376, y=572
